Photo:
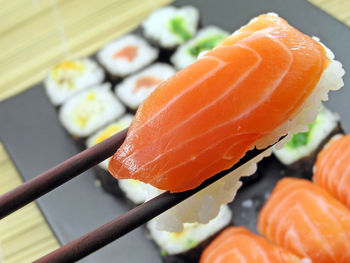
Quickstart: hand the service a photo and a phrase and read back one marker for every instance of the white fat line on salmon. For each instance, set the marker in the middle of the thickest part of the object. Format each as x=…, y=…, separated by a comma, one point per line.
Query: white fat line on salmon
x=281, y=204
x=212, y=252
x=328, y=210
x=235, y=252
x=260, y=250
x=335, y=165
x=317, y=233
x=295, y=240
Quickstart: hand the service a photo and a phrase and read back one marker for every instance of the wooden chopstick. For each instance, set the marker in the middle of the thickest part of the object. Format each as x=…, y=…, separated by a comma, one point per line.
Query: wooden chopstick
x=58, y=175
x=134, y=218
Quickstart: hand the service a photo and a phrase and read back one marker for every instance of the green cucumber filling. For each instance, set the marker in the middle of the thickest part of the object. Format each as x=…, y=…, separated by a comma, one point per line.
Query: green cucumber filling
x=178, y=26
x=302, y=138
x=207, y=43
x=163, y=253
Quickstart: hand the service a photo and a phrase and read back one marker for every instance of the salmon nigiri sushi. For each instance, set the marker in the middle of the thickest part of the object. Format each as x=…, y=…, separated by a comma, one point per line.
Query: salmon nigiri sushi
x=306, y=220
x=237, y=244
x=263, y=81
x=332, y=169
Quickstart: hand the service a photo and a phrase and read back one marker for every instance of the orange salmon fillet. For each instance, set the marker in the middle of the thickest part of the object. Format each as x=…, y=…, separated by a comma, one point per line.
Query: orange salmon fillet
x=206, y=117
x=237, y=244
x=332, y=169
x=306, y=220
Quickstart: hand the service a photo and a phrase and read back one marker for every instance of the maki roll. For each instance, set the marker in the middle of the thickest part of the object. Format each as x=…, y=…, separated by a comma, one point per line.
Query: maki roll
x=187, y=246
x=136, y=191
x=126, y=55
x=107, y=132
x=206, y=39
x=171, y=26
x=90, y=110
x=109, y=184
x=71, y=76
x=134, y=89
x=300, y=152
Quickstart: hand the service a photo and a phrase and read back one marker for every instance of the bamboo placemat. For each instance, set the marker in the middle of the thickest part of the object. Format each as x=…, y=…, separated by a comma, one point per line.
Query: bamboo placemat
x=34, y=35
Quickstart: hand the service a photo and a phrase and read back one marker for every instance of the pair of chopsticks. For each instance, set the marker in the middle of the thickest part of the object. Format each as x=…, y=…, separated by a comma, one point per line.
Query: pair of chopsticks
x=67, y=170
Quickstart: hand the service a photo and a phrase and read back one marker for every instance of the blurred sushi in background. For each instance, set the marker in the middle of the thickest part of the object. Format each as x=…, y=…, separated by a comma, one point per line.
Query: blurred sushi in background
x=126, y=55
x=134, y=89
x=300, y=152
x=71, y=76
x=107, y=132
x=187, y=246
x=206, y=39
x=171, y=26
x=90, y=110
x=108, y=184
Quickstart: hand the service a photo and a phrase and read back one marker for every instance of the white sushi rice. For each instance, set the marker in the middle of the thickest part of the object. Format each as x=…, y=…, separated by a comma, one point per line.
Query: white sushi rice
x=183, y=57
x=192, y=235
x=90, y=110
x=205, y=205
x=107, y=132
x=138, y=192
x=156, y=27
x=327, y=121
x=130, y=91
x=122, y=66
x=69, y=77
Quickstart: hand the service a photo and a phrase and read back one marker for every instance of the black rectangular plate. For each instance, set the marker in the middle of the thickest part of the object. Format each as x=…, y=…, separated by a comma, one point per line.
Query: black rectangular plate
x=36, y=141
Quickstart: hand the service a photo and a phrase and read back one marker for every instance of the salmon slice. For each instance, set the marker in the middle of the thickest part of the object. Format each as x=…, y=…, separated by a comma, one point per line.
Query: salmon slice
x=237, y=244
x=129, y=53
x=332, y=169
x=207, y=116
x=306, y=220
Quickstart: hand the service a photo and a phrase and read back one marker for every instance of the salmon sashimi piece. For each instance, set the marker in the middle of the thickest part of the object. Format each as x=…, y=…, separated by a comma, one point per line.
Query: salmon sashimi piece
x=332, y=169
x=306, y=220
x=129, y=53
x=207, y=116
x=237, y=244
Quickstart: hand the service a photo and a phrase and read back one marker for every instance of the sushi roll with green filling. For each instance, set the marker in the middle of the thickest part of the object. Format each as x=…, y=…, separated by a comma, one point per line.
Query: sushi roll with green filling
x=126, y=55
x=71, y=76
x=187, y=246
x=300, y=152
x=206, y=39
x=138, y=192
x=134, y=89
x=171, y=26
x=90, y=110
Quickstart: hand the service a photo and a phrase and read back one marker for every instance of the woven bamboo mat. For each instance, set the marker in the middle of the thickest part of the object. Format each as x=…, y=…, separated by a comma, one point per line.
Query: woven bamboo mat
x=34, y=35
